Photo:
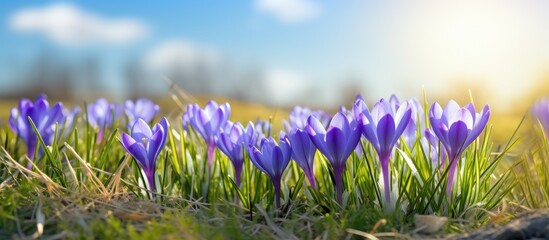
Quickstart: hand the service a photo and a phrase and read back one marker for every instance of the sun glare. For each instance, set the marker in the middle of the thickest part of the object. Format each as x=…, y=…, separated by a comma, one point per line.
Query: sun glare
x=494, y=44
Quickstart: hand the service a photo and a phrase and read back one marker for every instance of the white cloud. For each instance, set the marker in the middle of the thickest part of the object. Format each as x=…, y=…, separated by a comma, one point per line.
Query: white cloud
x=173, y=54
x=289, y=11
x=67, y=24
x=285, y=86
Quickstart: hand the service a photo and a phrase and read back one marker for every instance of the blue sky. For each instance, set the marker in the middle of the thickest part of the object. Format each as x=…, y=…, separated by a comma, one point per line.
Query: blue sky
x=386, y=47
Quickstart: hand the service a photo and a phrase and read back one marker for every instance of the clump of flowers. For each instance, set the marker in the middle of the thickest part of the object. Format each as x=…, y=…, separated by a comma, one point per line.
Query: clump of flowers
x=102, y=114
x=303, y=153
x=383, y=126
x=299, y=115
x=336, y=143
x=208, y=122
x=456, y=128
x=263, y=129
x=272, y=159
x=44, y=118
x=68, y=120
x=388, y=125
x=416, y=119
x=145, y=144
x=231, y=143
x=142, y=108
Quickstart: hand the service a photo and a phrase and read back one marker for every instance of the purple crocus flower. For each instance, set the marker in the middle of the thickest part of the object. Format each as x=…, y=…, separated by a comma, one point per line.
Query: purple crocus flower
x=263, y=129
x=145, y=145
x=456, y=128
x=437, y=154
x=299, y=115
x=272, y=159
x=350, y=115
x=383, y=126
x=43, y=117
x=142, y=108
x=416, y=120
x=540, y=110
x=336, y=143
x=189, y=114
x=231, y=141
x=209, y=122
x=67, y=121
x=303, y=153
x=102, y=114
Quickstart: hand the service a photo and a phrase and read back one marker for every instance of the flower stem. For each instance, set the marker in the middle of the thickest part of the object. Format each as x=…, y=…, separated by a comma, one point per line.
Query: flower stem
x=451, y=173
x=238, y=173
x=99, y=136
x=31, y=148
x=211, y=152
x=276, y=184
x=338, y=175
x=386, y=177
x=150, y=179
x=311, y=178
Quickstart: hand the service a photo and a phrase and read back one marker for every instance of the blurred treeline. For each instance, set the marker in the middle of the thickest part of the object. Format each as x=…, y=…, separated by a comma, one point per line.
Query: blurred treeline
x=89, y=76
x=244, y=85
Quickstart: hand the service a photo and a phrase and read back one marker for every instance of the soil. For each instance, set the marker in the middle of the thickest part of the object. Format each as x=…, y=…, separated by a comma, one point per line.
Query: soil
x=529, y=225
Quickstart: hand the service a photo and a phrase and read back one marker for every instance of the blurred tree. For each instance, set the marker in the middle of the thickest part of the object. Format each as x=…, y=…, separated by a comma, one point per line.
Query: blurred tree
x=135, y=79
x=47, y=73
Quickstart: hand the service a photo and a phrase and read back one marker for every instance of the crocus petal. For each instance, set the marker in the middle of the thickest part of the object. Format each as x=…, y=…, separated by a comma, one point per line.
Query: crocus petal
x=136, y=149
x=277, y=159
x=403, y=122
x=257, y=159
x=40, y=107
x=479, y=125
x=154, y=145
x=141, y=130
x=317, y=133
x=370, y=131
x=226, y=108
x=471, y=109
x=139, y=152
x=315, y=127
x=435, y=115
x=359, y=107
x=433, y=140
x=165, y=126
x=465, y=116
x=302, y=147
x=385, y=135
x=24, y=104
x=236, y=133
x=127, y=141
x=353, y=137
x=13, y=120
x=393, y=101
x=224, y=144
x=211, y=107
x=435, y=111
x=450, y=110
x=335, y=144
x=457, y=134
x=203, y=125
x=54, y=116
x=268, y=148
x=379, y=110
x=340, y=121
x=216, y=121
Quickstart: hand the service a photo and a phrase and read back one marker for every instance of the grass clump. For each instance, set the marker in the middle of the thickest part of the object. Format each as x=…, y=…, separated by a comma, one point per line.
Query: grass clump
x=83, y=187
